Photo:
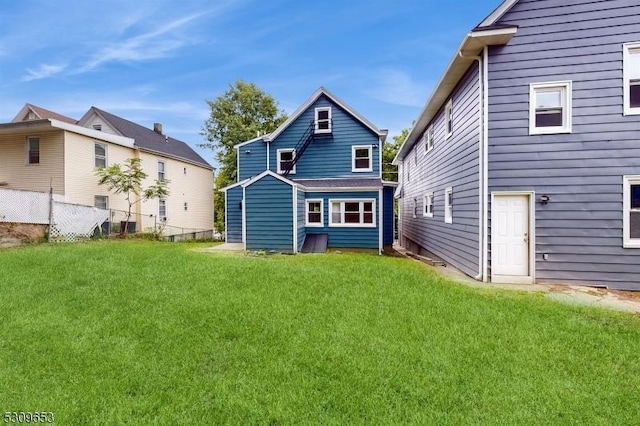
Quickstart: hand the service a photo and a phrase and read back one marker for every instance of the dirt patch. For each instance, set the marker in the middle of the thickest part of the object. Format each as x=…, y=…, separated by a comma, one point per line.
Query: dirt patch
x=22, y=232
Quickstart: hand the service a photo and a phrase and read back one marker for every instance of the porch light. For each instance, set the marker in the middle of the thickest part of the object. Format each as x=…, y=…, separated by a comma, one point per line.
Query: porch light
x=544, y=199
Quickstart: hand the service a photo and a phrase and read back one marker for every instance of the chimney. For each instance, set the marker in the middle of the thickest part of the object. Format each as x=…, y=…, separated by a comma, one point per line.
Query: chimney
x=157, y=127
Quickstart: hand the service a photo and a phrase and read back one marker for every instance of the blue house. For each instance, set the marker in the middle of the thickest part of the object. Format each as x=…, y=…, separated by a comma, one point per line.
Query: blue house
x=524, y=165
x=316, y=181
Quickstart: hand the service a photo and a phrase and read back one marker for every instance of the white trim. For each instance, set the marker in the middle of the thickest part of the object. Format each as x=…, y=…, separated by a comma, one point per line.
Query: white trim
x=28, y=149
x=233, y=185
x=498, y=13
x=448, y=119
x=106, y=153
x=566, y=104
x=342, y=202
x=341, y=189
x=426, y=201
x=354, y=148
x=529, y=279
x=294, y=196
x=316, y=121
x=380, y=221
x=627, y=47
x=226, y=216
x=427, y=138
x=241, y=144
x=248, y=182
x=627, y=181
x=164, y=170
x=306, y=213
x=106, y=197
x=268, y=146
x=244, y=217
x=485, y=166
x=293, y=156
x=448, y=206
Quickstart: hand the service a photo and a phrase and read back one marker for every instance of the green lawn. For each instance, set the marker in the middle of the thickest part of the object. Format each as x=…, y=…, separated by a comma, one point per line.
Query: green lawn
x=155, y=333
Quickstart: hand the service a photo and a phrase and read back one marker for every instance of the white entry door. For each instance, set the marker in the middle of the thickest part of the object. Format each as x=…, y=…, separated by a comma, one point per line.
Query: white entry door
x=510, y=239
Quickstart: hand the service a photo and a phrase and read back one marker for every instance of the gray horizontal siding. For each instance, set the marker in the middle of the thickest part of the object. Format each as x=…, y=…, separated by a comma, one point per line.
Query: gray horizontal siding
x=328, y=156
x=269, y=215
x=581, y=227
x=453, y=162
x=234, y=215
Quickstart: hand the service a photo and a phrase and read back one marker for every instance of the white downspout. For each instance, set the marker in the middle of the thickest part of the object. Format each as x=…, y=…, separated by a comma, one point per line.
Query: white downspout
x=485, y=164
x=267, y=142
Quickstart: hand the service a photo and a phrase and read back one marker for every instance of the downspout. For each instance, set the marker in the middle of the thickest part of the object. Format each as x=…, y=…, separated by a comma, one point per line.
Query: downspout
x=267, y=142
x=485, y=163
x=481, y=170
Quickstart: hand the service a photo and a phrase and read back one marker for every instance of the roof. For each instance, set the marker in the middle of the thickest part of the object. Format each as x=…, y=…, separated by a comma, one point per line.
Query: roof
x=498, y=13
x=41, y=114
x=472, y=46
x=314, y=97
x=373, y=183
x=147, y=139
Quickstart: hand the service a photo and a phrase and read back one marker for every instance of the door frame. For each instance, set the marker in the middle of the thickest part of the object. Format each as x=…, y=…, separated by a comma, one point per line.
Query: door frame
x=515, y=279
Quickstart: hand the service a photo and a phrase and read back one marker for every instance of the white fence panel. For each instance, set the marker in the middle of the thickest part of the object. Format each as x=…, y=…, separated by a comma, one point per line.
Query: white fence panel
x=72, y=221
x=25, y=206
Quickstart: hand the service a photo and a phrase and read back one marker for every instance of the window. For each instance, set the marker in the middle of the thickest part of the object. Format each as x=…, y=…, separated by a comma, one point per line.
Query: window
x=97, y=127
x=314, y=213
x=428, y=205
x=162, y=209
x=415, y=208
x=448, y=205
x=361, y=158
x=33, y=150
x=353, y=213
x=632, y=78
x=101, y=202
x=550, y=108
x=428, y=139
x=631, y=214
x=323, y=120
x=448, y=118
x=162, y=175
x=100, y=152
x=285, y=161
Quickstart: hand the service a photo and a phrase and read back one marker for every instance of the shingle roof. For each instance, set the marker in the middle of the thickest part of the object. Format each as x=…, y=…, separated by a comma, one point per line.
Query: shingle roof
x=45, y=113
x=148, y=139
x=341, y=183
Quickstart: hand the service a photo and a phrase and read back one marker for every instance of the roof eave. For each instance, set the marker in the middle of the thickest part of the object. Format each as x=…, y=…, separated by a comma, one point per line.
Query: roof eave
x=471, y=46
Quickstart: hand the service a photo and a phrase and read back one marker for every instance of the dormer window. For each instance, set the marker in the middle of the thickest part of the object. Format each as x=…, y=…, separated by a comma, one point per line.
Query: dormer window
x=323, y=120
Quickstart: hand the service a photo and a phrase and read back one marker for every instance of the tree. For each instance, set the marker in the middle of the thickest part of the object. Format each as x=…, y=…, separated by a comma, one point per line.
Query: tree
x=389, y=171
x=127, y=179
x=242, y=113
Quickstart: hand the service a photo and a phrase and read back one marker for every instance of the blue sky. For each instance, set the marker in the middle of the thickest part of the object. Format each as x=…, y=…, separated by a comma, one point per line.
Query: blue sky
x=159, y=61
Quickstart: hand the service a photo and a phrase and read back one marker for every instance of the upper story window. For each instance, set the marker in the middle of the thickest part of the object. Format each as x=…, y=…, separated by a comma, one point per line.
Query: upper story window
x=632, y=78
x=428, y=205
x=448, y=205
x=162, y=167
x=448, y=118
x=428, y=139
x=323, y=120
x=100, y=154
x=631, y=211
x=33, y=150
x=314, y=213
x=361, y=158
x=550, y=108
x=285, y=161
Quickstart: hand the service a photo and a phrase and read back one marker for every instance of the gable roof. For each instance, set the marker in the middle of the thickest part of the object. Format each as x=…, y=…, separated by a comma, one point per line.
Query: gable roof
x=254, y=179
x=498, y=13
x=41, y=114
x=314, y=97
x=148, y=140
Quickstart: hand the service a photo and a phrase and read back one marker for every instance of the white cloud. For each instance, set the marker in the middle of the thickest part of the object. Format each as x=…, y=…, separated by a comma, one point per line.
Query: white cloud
x=43, y=71
x=398, y=88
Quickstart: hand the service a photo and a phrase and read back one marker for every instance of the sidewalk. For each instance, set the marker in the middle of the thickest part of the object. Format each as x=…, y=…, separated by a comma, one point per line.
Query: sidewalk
x=624, y=301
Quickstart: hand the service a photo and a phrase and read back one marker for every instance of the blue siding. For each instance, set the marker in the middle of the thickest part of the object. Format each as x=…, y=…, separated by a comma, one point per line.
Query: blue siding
x=234, y=215
x=269, y=215
x=328, y=156
x=388, y=215
x=581, y=227
x=346, y=237
x=301, y=219
x=252, y=158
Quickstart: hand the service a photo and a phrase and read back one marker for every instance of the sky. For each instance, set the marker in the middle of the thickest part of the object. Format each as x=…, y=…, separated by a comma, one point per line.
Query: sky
x=161, y=60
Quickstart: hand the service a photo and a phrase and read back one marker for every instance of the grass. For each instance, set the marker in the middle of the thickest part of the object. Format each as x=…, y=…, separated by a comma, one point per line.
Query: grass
x=134, y=332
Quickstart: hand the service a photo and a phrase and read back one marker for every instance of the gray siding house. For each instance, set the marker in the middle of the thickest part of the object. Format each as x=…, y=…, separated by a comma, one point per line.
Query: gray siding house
x=524, y=165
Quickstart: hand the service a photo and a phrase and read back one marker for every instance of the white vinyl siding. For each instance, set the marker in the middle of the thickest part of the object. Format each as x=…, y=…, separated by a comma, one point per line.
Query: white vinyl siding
x=448, y=119
x=550, y=108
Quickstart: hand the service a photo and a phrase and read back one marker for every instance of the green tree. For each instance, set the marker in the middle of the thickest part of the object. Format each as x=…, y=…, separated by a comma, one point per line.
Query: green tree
x=241, y=113
x=127, y=179
x=389, y=171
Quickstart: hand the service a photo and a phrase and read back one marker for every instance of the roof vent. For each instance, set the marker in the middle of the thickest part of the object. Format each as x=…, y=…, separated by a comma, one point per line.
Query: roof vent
x=157, y=127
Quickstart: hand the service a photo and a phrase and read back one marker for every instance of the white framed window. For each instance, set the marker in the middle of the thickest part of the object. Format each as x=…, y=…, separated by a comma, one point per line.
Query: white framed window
x=427, y=209
x=33, y=150
x=428, y=139
x=361, y=158
x=448, y=205
x=285, y=161
x=101, y=202
x=448, y=119
x=631, y=211
x=631, y=78
x=100, y=154
x=550, y=108
x=162, y=170
x=415, y=208
x=356, y=213
x=323, y=122
x=314, y=213
x=162, y=209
